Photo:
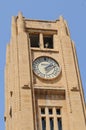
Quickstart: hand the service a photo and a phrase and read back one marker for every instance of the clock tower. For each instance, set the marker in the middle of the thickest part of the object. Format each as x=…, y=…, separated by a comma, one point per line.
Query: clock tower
x=43, y=89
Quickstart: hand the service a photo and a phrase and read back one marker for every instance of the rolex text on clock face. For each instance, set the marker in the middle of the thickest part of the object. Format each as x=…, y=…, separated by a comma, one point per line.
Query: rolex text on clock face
x=46, y=67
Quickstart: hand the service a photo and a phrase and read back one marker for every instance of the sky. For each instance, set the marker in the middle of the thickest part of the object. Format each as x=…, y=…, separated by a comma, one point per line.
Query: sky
x=72, y=10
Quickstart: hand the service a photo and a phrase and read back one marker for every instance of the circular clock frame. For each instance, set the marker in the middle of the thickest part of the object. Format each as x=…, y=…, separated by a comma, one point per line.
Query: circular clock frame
x=46, y=68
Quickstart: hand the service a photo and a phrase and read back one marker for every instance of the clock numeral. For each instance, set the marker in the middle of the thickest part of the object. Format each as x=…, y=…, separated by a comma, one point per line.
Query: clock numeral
x=37, y=70
x=35, y=67
x=55, y=73
x=44, y=58
x=42, y=75
x=40, y=60
x=47, y=76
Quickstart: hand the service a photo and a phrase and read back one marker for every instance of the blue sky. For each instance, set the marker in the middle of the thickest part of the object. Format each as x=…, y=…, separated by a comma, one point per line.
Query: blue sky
x=72, y=10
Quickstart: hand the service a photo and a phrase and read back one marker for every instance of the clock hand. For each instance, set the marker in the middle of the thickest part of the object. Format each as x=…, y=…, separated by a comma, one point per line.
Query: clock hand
x=49, y=68
x=44, y=64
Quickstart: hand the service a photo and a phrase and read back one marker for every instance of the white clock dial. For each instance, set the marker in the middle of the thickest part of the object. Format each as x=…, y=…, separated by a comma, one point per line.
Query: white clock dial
x=46, y=67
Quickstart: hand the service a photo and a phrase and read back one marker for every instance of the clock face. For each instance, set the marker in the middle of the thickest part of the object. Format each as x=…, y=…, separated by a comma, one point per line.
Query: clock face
x=46, y=67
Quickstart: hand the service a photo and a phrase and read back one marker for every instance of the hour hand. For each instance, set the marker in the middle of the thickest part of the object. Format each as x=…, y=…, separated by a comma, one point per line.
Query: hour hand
x=49, y=66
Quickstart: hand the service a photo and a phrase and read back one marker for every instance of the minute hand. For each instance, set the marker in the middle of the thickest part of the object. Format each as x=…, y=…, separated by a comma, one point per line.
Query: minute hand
x=49, y=68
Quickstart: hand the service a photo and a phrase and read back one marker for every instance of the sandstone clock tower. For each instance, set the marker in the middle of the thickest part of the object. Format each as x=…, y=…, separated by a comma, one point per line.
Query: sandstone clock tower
x=43, y=89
